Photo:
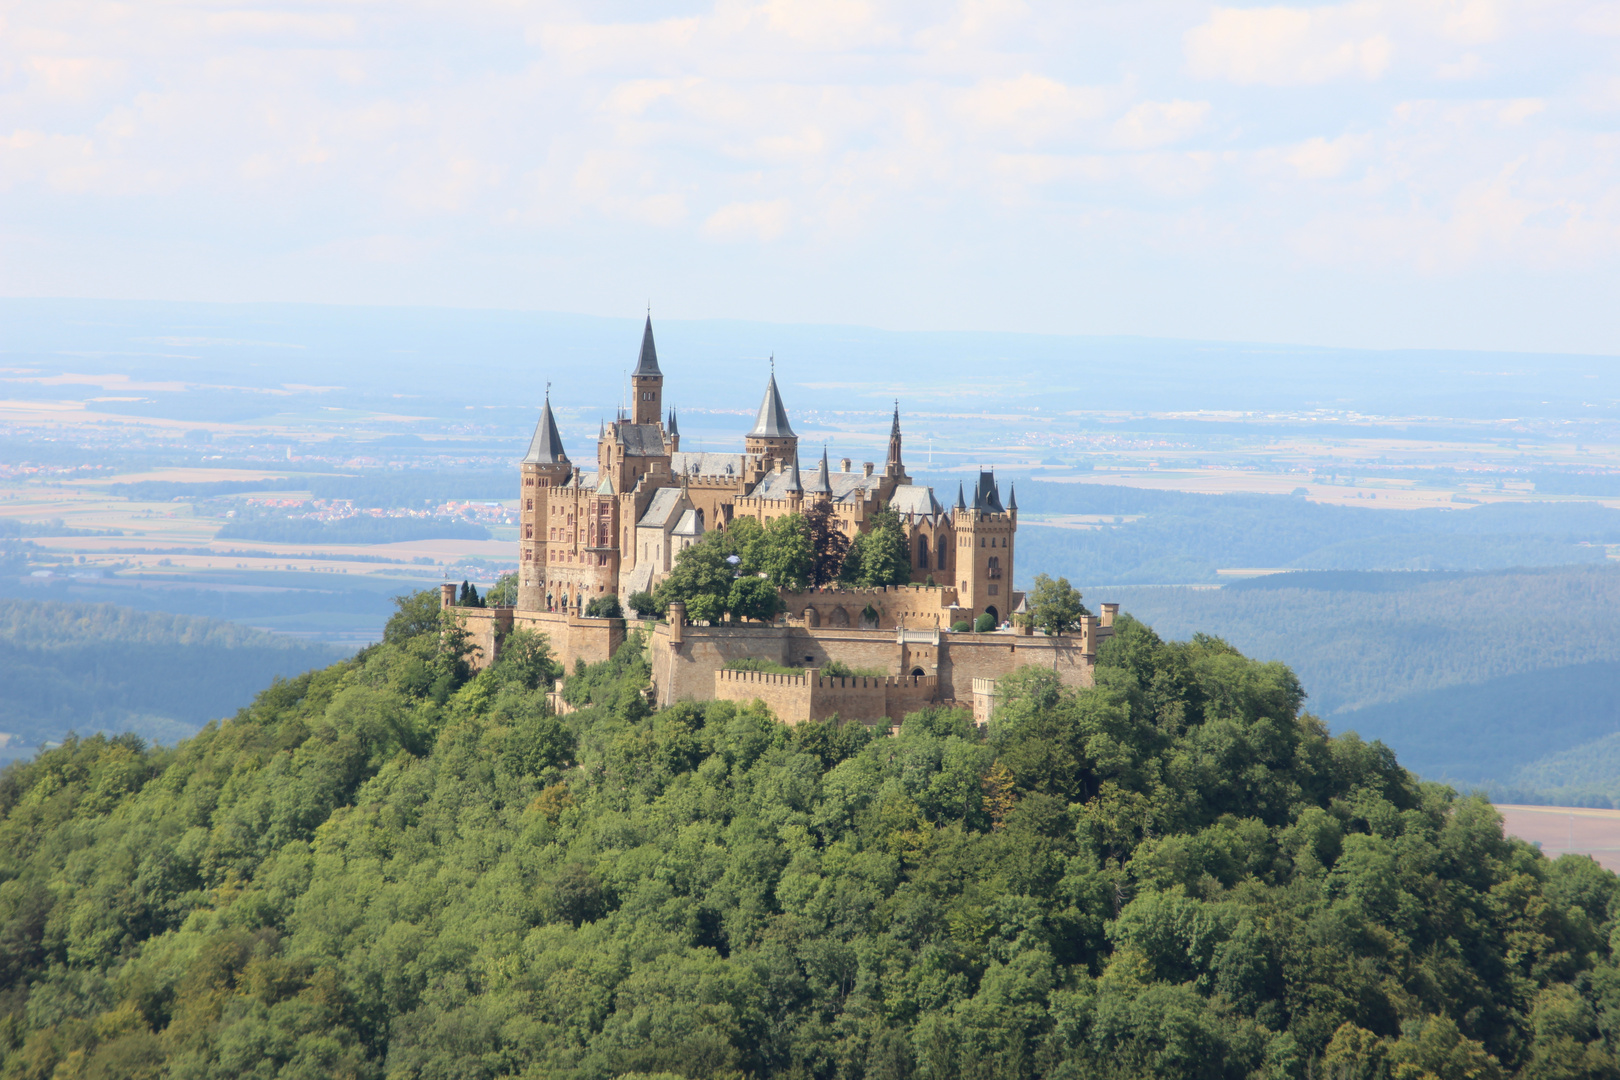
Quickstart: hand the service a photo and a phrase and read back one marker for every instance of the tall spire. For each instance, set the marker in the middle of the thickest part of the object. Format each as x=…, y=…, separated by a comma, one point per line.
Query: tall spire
x=674, y=428
x=1012, y=496
x=961, y=504
x=546, y=447
x=821, y=484
x=895, y=466
x=772, y=422
x=647, y=364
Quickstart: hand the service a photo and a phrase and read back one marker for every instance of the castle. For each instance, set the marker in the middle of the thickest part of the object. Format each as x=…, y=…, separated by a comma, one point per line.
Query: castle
x=618, y=530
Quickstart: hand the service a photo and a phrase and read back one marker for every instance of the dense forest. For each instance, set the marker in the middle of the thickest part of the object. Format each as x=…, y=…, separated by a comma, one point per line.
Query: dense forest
x=1495, y=680
x=98, y=667
x=392, y=867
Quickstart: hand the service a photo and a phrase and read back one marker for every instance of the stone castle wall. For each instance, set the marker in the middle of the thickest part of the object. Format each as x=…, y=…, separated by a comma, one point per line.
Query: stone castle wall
x=813, y=696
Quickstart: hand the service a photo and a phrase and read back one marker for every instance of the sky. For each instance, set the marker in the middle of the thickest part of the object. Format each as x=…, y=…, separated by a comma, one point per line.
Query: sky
x=1376, y=174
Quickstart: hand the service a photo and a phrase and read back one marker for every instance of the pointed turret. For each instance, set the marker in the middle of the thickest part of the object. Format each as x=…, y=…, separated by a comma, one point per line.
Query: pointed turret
x=546, y=447
x=795, y=485
x=961, y=504
x=646, y=382
x=647, y=363
x=772, y=436
x=1012, y=496
x=821, y=483
x=772, y=421
x=674, y=428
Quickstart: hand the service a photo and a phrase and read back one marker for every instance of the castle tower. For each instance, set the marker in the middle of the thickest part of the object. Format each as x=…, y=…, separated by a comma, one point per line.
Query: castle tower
x=672, y=434
x=820, y=490
x=544, y=468
x=647, y=382
x=984, y=549
x=772, y=435
x=894, y=467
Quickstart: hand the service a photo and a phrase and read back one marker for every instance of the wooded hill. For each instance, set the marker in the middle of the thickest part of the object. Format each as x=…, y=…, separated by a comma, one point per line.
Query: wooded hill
x=100, y=667
x=390, y=868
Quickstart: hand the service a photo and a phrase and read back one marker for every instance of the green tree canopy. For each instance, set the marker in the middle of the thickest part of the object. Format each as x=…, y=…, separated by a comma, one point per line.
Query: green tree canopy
x=879, y=556
x=1054, y=606
x=784, y=552
x=393, y=867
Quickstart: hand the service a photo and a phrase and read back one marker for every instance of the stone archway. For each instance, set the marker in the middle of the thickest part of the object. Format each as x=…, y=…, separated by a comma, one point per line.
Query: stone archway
x=838, y=617
x=991, y=611
x=812, y=617
x=918, y=673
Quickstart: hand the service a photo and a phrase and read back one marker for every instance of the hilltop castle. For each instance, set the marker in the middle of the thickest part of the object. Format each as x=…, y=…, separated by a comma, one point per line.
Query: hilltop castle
x=618, y=529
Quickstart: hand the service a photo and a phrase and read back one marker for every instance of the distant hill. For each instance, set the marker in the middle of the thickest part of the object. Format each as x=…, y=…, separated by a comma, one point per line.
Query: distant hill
x=100, y=667
x=1171, y=537
x=1507, y=680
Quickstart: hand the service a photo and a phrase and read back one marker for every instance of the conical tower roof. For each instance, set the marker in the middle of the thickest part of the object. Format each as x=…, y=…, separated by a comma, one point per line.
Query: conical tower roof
x=772, y=422
x=647, y=363
x=546, y=447
x=961, y=504
x=796, y=485
x=674, y=428
x=821, y=483
x=1012, y=496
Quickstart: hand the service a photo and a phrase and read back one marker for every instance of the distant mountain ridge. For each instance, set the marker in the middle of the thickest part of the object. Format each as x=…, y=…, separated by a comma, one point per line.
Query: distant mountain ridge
x=102, y=667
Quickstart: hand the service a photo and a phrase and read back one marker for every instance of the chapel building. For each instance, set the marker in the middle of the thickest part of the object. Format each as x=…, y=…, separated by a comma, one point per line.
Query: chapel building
x=617, y=529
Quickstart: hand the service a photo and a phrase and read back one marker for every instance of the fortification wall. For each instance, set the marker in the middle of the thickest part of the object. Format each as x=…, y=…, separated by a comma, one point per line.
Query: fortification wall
x=813, y=696
x=912, y=606
x=572, y=637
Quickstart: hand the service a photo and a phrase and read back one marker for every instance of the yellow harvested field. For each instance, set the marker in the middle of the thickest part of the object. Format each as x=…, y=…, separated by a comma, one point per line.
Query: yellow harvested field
x=1567, y=829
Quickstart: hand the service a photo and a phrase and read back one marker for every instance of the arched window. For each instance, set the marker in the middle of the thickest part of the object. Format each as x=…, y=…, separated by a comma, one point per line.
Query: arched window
x=922, y=552
x=939, y=550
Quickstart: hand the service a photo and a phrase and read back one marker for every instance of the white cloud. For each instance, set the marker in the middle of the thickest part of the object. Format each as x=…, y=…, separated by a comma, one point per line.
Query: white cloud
x=1158, y=123
x=873, y=140
x=1283, y=46
x=748, y=220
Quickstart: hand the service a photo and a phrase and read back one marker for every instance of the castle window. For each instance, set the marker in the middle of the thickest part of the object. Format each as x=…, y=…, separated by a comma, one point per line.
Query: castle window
x=922, y=552
x=994, y=566
x=530, y=506
x=994, y=589
x=528, y=532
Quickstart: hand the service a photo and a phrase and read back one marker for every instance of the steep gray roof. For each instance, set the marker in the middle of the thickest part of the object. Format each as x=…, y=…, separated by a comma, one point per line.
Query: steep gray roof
x=850, y=486
x=703, y=463
x=915, y=499
x=665, y=502
x=546, y=447
x=986, y=495
x=819, y=484
x=674, y=428
x=782, y=485
x=647, y=363
x=960, y=505
x=691, y=524
x=772, y=421
x=640, y=440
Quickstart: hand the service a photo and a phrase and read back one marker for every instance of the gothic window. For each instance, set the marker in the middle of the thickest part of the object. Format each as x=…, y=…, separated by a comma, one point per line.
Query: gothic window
x=995, y=566
x=922, y=552
x=530, y=506
x=939, y=550
x=528, y=532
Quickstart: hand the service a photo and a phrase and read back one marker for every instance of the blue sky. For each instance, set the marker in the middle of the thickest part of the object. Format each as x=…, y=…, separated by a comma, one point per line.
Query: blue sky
x=1410, y=173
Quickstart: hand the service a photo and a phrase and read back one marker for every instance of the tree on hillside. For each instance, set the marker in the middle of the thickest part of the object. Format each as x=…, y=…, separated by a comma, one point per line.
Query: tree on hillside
x=701, y=579
x=880, y=556
x=785, y=553
x=1054, y=606
x=504, y=592
x=604, y=607
x=829, y=545
x=754, y=598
